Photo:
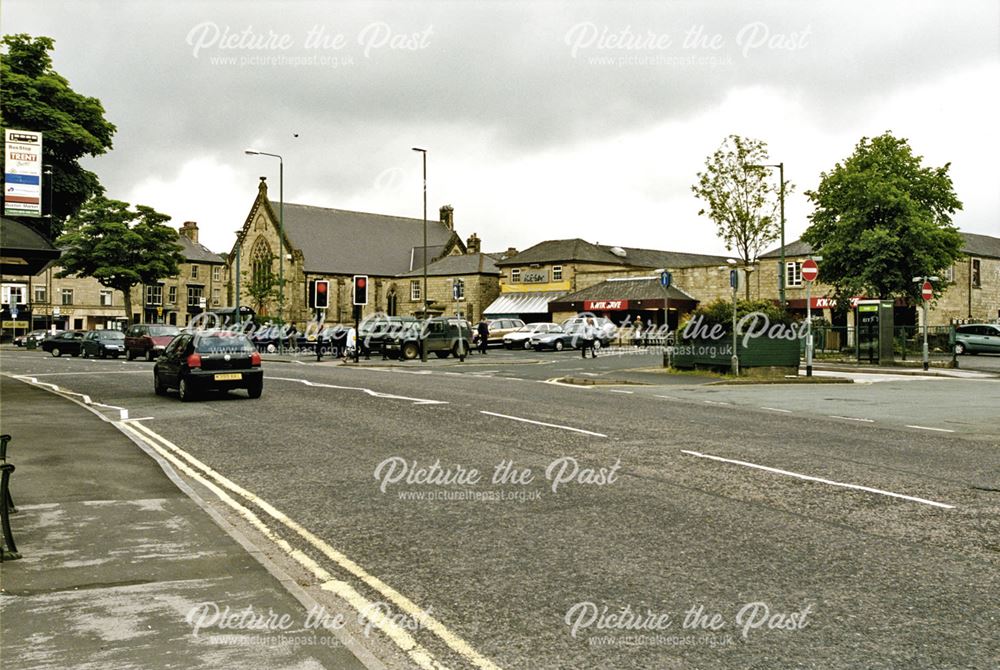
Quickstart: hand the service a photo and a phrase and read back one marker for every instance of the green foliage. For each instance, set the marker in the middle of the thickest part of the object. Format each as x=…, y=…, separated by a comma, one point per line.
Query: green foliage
x=35, y=97
x=119, y=247
x=881, y=218
x=261, y=286
x=720, y=312
x=740, y=198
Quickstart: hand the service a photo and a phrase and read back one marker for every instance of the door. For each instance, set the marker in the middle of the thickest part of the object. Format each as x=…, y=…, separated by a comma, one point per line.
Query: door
x=169, y=366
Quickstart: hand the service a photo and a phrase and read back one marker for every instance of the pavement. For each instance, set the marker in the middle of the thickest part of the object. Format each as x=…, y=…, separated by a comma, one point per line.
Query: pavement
x=119, y=563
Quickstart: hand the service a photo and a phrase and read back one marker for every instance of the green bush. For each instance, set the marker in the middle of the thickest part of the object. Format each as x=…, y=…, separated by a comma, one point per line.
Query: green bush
x=720, y=311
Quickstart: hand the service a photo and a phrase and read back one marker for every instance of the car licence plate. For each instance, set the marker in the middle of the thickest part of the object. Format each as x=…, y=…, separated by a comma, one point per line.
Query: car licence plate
x=228, y=376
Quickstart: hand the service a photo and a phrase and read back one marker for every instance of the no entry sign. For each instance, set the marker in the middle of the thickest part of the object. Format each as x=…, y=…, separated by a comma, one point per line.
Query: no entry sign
x=810, y=270
x=927, y=291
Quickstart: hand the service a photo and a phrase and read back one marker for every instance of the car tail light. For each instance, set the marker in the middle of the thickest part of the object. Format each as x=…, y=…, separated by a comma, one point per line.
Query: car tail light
x=194, y=361
x=255, y=359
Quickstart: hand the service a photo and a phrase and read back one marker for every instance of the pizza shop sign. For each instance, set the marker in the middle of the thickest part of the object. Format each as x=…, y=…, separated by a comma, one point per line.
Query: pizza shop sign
x=604, y=305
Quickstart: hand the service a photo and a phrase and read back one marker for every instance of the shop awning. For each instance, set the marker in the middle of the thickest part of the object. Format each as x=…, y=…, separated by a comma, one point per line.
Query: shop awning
x=522, y=303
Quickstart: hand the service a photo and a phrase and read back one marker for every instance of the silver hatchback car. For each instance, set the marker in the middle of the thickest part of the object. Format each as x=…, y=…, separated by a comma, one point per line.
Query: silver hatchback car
x=974, y=338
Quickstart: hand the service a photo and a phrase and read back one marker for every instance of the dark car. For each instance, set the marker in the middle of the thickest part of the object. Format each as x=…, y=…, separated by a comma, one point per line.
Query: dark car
x=376, y=331
x=103, y=343
x=441, y=336
x=64, y=343
x=148, y=340
x=974, y=338
x=215, y=360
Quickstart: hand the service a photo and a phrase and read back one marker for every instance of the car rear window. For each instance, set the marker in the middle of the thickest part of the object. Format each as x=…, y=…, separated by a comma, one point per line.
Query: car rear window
x=112, y=335
x=223, y=344
x=158, y=331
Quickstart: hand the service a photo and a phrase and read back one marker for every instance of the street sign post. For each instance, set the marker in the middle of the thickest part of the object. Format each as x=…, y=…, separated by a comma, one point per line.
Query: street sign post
x=927, y=293
x=665, y=279
x=810, y=270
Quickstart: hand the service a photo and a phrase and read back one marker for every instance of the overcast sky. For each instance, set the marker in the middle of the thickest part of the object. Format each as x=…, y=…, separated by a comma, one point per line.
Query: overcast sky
x=542, y=120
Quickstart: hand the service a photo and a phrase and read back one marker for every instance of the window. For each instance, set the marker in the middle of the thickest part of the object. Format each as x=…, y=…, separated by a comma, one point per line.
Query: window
x=67, y=296
x=949, y=274
x=793, y=273
x=515, y=275
x=216, y=297
x=217, y=273
x=195, y=294
x=390, y=303
x=458, y=290
x=107, y=295
x=13, y=294
x=154, y=295
x=415, y=290
x=194, y=271
x=976, y=274
x=172, y=295
x=41, y=294
x=556, y=273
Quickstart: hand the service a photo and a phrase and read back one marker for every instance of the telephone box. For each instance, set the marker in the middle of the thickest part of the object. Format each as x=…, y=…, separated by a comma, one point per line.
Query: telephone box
x=873, y=320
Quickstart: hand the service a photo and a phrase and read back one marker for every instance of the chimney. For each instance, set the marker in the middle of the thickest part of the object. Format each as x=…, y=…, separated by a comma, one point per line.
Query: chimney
x=190, y=231
x=510, y=253
x=448, y=216
x=472, y=244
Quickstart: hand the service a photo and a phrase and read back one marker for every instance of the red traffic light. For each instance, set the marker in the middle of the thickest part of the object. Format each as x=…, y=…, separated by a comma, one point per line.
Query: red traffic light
x=360, y=293
x=361, y=282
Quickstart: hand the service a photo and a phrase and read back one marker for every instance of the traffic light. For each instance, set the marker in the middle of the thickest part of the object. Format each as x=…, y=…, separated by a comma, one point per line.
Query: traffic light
x=321, y=294
x=360, y=289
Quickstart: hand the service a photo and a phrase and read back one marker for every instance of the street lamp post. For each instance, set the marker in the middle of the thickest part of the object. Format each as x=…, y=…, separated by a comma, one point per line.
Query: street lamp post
x=281, y=239
x=781, y=200
x=423, y=348
x=734, y=280
x=239, y=245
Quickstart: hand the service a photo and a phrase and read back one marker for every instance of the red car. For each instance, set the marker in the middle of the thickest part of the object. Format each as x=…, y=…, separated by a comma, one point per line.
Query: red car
x=148, y=340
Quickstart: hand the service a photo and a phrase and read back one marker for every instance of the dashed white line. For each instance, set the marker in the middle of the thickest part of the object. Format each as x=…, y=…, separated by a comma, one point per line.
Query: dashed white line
x=797, y=475
x=714, y=402
x=542, y=423
x=777, y=409
x=620, y=391
x=939, y=430
x=667, y=397
x=852, y=418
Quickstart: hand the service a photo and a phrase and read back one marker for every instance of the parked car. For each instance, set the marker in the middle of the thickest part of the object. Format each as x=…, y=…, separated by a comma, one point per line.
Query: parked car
x=148, y=339
x=572, y=333
x=375, y=331
x=37, y=336
x=441, y=336
x=216, y=360
x=521, y=338
x=974, y=338
x=500, y=328
x=67, y=342
x=103, y=343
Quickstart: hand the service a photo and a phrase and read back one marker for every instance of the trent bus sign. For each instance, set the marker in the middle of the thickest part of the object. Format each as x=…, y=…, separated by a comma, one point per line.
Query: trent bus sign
x=22, y=179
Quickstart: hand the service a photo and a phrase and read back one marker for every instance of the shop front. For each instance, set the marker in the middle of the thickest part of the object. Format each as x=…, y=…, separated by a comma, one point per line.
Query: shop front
x=625, y=300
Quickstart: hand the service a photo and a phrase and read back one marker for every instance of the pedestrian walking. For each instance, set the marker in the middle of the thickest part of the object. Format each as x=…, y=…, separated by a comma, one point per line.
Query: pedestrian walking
x=637, y=332
x=482, y=334
x=589, y=333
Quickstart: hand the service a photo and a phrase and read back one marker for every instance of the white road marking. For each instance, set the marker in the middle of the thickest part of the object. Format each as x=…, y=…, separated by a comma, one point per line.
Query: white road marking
x=374, y=394
x=714, y=402
x=420, y=655
x=940, y=430
x=818, y=479
x=542, y=423
x=555, y=382
x=95, y=372
x=667, y=397
x=776, y=409
x=122, y=412
x=851, y=418
x=620, y=391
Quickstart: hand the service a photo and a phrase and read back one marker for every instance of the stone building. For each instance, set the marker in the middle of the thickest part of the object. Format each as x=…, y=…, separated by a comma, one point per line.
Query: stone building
x=972, y=293
x=199, y=286
x=334, y=244
x=477, y=272
x=549, y=270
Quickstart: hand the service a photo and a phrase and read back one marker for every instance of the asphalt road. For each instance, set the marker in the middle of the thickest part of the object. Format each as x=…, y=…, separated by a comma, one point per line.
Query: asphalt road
x=871, y=540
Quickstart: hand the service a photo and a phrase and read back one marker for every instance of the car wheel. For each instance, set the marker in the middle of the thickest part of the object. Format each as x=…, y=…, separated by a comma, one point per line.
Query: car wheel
x=57, y=352
x=527, y=344
x=255, y=390
x=158, y=387
x=558, y=346
x=597, y=345
x=960, y=348
x=129, y=355
x=409, y=351
x=149, y=355
x=184, y=390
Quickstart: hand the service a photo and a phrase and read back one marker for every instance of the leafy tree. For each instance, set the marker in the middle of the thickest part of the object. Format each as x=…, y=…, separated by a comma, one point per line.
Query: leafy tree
x=740, y=197
x=119, y=247
x=261, y=284
x=36, y=97
x=720, y=311
x=881, y=218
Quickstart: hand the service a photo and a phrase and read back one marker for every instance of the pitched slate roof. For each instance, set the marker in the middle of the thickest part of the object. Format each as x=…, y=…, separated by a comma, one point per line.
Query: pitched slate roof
x=974, y=245
x=25, y=252
x=461, y=264
x=345, y=242
x=579, y=250
x=628, y=288
x=198, y=253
